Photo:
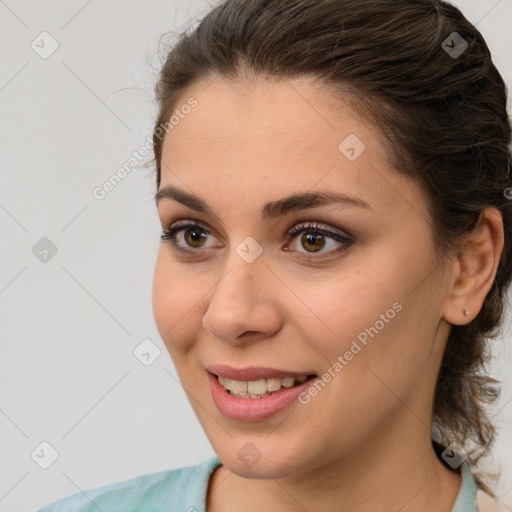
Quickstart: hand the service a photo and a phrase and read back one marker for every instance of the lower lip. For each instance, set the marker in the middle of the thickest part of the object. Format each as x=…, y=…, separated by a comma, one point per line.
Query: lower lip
x=253, y=409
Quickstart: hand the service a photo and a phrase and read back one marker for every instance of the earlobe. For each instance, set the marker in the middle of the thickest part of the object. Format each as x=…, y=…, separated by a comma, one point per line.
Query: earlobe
x=476, y=268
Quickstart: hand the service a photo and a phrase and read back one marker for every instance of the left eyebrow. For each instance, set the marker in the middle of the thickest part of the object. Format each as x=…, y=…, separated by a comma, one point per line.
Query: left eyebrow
x=270, y=210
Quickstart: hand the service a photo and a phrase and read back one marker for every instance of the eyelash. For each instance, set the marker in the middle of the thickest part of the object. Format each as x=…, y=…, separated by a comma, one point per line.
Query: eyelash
x=170, y=233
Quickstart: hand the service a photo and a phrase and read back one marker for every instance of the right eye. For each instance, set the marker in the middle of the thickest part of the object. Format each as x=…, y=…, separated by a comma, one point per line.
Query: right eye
x=193, y=235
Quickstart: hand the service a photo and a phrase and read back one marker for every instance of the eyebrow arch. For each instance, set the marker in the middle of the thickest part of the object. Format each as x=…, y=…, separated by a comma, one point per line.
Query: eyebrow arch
x=270, y=210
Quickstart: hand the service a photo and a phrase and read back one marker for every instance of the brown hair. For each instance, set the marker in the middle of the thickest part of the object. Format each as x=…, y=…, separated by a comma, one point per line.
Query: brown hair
x=443, y=116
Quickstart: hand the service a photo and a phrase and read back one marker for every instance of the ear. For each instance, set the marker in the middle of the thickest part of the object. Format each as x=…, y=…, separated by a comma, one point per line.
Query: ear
x=475, y=268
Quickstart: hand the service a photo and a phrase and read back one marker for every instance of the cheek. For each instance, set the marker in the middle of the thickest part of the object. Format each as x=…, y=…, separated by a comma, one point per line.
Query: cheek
x=377, y=329
x=369, y=318
x=174, y=306
x=360, y=304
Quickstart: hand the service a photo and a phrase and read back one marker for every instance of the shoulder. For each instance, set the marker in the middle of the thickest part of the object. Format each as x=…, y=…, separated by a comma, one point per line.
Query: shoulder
x=488, y=504
x=167, y=490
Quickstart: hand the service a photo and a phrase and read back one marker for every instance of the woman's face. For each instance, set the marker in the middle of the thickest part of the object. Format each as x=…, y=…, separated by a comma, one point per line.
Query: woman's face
x=241, y=292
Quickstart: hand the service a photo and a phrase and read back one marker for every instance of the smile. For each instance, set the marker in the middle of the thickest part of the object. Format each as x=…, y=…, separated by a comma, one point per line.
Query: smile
x=266, y=393
x=258, y=388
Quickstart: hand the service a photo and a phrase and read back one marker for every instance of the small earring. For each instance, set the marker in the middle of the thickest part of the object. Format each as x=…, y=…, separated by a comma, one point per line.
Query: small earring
x=466, y=312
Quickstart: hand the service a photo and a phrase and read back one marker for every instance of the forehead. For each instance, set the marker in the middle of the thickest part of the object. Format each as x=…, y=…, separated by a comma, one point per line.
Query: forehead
x=263, y=137
x=256, y=112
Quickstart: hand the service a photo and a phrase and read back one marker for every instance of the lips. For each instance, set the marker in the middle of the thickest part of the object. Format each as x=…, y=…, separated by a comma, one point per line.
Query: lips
x=254, y=409
x=254, y=373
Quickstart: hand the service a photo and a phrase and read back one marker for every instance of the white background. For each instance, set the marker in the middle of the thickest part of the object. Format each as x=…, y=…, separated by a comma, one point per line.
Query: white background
x=69, y=326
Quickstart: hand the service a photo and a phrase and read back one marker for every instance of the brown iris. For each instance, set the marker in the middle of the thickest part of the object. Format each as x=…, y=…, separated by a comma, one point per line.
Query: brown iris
x=309, y=239
x=196, y=233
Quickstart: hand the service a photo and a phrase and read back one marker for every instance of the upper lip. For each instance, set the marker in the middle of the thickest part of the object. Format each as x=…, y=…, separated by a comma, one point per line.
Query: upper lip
x=253, y=373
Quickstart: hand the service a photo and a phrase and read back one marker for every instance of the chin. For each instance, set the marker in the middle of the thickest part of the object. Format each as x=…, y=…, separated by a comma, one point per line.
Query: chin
x=248, y=461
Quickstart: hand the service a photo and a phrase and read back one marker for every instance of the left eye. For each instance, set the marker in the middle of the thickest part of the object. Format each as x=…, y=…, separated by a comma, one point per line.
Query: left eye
x=314, y=237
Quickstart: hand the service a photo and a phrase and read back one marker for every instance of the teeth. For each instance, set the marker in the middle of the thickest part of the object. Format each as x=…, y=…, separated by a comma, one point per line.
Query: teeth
x=273, y=384
x=287, y=382
x=238, y=386
x=258, y=388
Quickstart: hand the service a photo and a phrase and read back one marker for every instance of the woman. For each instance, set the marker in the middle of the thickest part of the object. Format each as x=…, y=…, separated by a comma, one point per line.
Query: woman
x=333, y=183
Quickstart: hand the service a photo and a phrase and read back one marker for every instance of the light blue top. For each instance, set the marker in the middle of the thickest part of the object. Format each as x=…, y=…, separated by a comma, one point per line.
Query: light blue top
x=184, y=490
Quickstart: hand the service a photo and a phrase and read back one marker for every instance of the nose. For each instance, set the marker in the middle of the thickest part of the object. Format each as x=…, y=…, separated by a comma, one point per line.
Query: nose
x=244, y=306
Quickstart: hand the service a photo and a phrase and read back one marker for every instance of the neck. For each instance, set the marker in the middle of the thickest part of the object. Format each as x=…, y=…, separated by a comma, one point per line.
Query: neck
x=400, y=473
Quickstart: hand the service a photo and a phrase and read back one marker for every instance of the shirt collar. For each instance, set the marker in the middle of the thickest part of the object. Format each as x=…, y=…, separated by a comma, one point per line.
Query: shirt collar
x=466, y=499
